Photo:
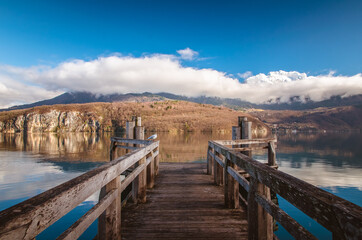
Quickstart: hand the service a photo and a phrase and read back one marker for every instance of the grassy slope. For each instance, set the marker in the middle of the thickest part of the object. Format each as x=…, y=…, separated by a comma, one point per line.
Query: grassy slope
x=156, y=116
x=339, y=118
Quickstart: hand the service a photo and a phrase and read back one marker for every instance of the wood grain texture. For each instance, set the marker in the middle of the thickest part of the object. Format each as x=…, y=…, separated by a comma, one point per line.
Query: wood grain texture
x=27, y=219
x=341, y=217
x=184, y=204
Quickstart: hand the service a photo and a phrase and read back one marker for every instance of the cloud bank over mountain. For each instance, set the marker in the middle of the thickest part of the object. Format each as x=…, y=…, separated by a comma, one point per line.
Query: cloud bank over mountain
x=165, y=73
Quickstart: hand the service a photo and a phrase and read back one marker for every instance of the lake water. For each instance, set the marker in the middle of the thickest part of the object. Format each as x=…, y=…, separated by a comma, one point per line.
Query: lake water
x=33, y=163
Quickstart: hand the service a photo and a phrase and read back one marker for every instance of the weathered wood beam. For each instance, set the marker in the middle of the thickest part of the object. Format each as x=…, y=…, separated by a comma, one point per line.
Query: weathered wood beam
x=292, y=226
x=27, y=219
x=241, y=149
x=341, y=217
x=240, y=179
x=132, y=141
x=127, y=147
x=151, y=171
x=245, y=141
x=77, y=229
x=231, y=187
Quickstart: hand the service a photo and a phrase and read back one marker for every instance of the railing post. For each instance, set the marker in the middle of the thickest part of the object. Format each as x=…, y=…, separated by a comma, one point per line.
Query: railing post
x=151, y=172
x=157, y=162
x=142, y=177
x=218, y=171
x=210, y=164
x=109, y=223
x=260, y=223
x=231, y=186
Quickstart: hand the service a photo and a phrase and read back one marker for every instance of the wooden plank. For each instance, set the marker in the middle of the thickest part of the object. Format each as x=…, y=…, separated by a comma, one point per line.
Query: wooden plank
x=77, y=229
x=245, y=141
x=250, y=148
x=217, y=159
x=29, y=218
x=336, y=214
x=132, y=141
x=183, y=205
x=240, y=179
x=127, y=147
x=292, y=226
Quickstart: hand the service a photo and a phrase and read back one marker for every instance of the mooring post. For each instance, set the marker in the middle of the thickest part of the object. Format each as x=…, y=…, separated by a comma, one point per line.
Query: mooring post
x=142, y=177
x=109, y=223
x=130, y=132
x=246, y=133
x=271, y=154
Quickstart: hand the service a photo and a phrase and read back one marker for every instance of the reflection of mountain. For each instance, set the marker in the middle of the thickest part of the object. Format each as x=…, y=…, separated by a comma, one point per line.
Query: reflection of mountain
x=344, y=146
x=323, y=159
x=341, y=118
x=186, y=147
x=78, y=147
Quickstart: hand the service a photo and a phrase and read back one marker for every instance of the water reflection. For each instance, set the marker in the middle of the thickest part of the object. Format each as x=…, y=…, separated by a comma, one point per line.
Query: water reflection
x=322, y=159
x=33, y=163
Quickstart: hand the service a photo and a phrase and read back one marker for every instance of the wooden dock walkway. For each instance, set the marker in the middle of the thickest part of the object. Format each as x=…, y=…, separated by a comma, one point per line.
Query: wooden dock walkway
x=186, y=200
x=184, y=204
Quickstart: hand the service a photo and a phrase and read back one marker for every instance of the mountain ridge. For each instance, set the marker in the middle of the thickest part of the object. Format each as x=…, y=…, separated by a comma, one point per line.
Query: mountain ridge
x=295, y=103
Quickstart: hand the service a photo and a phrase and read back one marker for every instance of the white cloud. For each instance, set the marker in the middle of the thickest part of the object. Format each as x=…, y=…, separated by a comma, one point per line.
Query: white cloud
x=164, y=73
x=188, y=54
x=245, y=75
x=15, y=92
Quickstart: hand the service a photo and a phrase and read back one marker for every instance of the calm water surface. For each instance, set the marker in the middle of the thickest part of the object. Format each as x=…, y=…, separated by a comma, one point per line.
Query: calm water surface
x=34, y=163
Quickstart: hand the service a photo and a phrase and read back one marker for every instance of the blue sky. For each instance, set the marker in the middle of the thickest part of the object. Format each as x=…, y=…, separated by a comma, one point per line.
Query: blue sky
x=234, y=36
x=231, y=37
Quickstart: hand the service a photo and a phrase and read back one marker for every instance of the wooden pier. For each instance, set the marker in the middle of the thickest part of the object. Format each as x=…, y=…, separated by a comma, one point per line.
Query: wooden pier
x=184, y=204
x=228, y=197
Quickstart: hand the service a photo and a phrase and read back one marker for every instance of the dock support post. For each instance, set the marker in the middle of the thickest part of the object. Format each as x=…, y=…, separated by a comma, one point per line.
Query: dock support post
x=210, y=161
x=218, y=171
x=151, y=173
x=260, y=223
x=109, y=223
x=142, y=177
x=231, y=186
x=157, y=162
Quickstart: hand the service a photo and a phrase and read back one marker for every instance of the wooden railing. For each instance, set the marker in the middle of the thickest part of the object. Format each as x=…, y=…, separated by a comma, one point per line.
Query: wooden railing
x=232, y=169
x=29, y=218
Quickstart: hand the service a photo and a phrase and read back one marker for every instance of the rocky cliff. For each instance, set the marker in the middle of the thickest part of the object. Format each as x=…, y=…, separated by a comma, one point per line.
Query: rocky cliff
x=52, y=121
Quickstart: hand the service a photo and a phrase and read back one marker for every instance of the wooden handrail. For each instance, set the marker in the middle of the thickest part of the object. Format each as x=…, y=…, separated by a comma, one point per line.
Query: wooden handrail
x=29, y=218
x=341, y=217
x=245, y=141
